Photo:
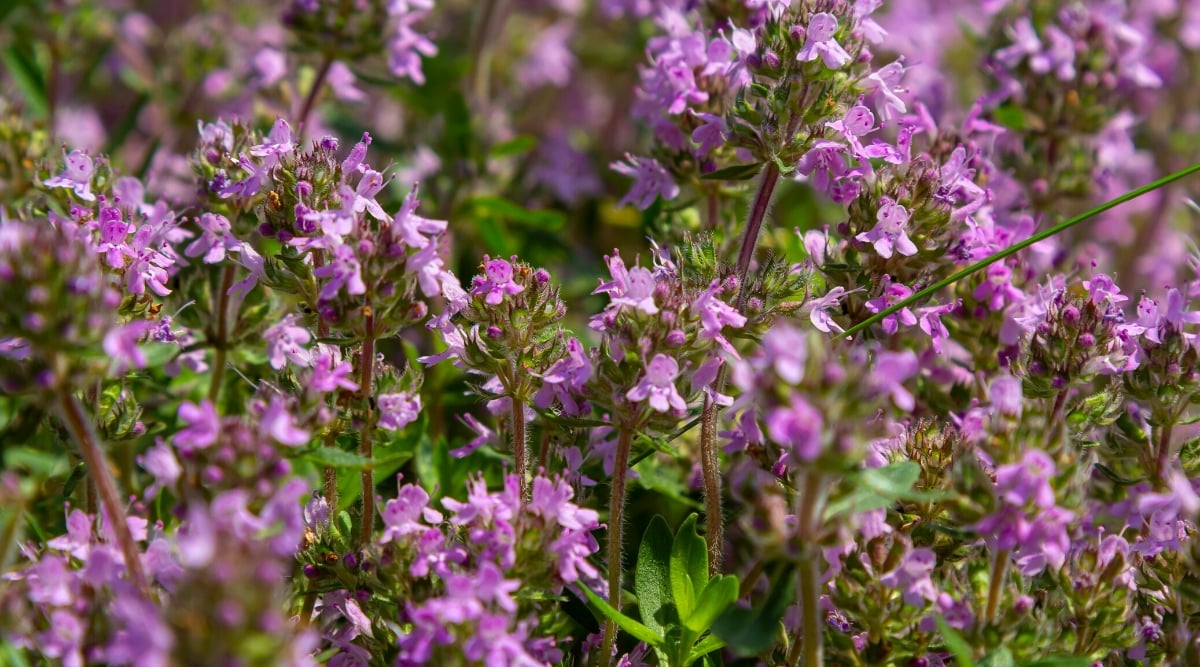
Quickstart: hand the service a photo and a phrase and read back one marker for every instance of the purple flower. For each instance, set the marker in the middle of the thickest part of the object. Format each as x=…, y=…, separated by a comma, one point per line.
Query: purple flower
x=121, y=345
x=329, y=372
x=278, y=143
x=650, y=180
x=890, y=371
x=819, y=314
x=203, y=426
x=715, y=315
x=565, y=379
x=820, y=42
x=912, y=576
x=402, y=516
x=279, y=424
x=797, y=428
x=712, y=134
x=406, y=46
x=160, y=462
x=889, y=232
x=343, y=270
x=215, y=238
x=398, y=410
x=483, y=435
x=497, y=282
x=893, y=293
x=284, y=341
x=76, y=175
x=658, y=385
x=1005, y=394
x=414, y=230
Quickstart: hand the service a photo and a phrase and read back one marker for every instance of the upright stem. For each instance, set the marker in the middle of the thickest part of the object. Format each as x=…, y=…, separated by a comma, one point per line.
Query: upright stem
x=995, y=585
x=758, y=213
x=808, y=651
x=78, y=424
x=220, y=344
x=520, y=453
x=616, y=518
x=311, y=99
x=329, y=472
x=1164, y=449
x=714, y=532
x=368, y=475
x=495, y=13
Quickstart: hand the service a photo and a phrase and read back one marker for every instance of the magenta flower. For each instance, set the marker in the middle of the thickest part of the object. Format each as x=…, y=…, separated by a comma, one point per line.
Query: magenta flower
x=284, y=342
x=76, y=175
x=565, y=379
x=121, y=345
x=658, y=385
x=203, y=425
x=716, y=315
x=797, y=429
x=889, y=232
x=215, y=238
x=819, y=41
x=280, y=425
x=329, y=372
x=278, y=143
x=497, y=282
x=650, y=181
x=342, y=271
x=398, y=410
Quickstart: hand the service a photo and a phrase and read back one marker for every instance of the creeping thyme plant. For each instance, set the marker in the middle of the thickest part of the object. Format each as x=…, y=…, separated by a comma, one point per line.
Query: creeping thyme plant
x=612, y=332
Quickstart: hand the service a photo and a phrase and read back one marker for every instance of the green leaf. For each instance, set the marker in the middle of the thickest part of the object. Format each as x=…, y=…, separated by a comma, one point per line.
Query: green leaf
x=335, y=457
x=637, y=630
x=652, y=581
x=689, y=567
x=28, y=78
x=704, y=647
x=1061, y=661
x=955, y=644
x=721, y=592
x=508, y=210
x=1010, y=116
x=1001, y=657
x=518, y=145
x=877, y=487
x=751, y=632
x=737, y=172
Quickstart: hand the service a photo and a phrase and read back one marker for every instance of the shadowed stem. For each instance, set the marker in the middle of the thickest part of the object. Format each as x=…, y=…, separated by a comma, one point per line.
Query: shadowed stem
x=221, y=345
x=995, y=585
x=809, y=650
x=616, y=518
x=311, y=99
x=519, y=447
x=1164, y=451
x=714, y=524
x=1015, y=248
x=367, y=361
x=329, y=473
x=77, y=423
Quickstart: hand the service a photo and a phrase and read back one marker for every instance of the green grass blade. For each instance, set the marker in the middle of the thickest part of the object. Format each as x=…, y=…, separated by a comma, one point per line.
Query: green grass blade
x=1017, y=247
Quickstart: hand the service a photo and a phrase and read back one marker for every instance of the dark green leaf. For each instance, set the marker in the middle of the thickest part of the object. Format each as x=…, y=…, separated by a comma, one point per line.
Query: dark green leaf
x=508, y=210
x=751, y=632
x=1061, y=661
x=516, y=146
x=737, y=172
x=876, y=487
x=1010, y=116
x=336, y=458
x=652, y=581
x=27, y=76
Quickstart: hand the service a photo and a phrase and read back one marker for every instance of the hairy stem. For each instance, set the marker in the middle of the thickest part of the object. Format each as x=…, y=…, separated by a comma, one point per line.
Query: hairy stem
x=616, y=518
x=758, y=213
x=311, y=99
x=922, y=294
x=519, y=447
x=1056, y=417
x=714, y=526
x=1164, y=451
x=310, y=602
x=219, y=343
x=808, y=650
x=995, y=586
x=329, y=473
x=78, y=424
x=367, y=362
